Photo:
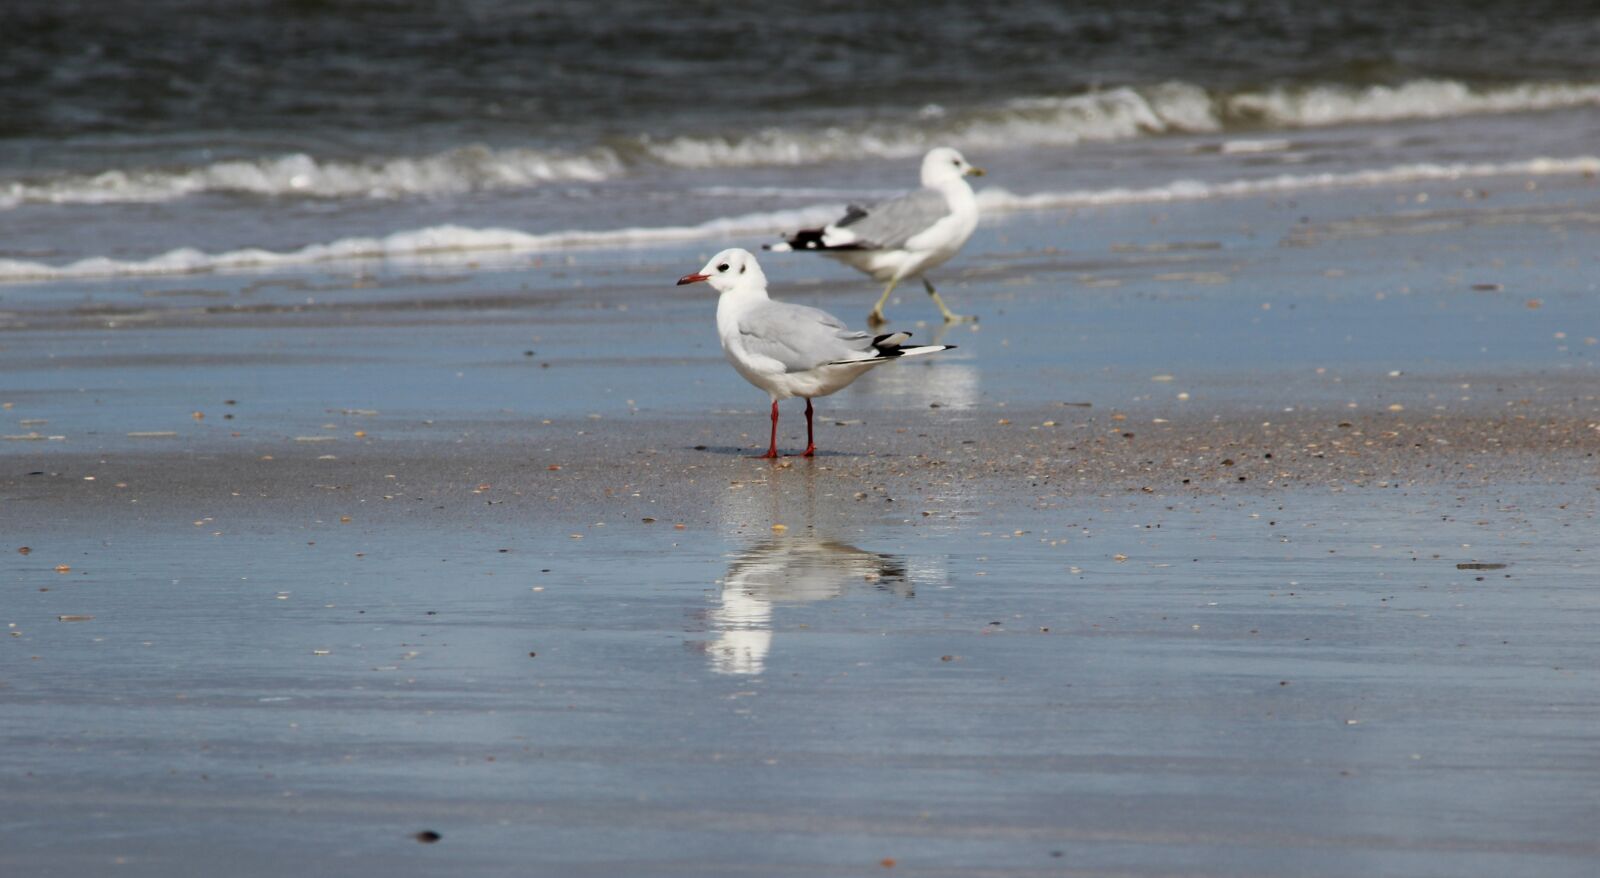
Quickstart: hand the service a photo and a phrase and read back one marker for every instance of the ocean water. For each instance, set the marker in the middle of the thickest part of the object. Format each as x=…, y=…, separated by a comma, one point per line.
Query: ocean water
x=175, y=137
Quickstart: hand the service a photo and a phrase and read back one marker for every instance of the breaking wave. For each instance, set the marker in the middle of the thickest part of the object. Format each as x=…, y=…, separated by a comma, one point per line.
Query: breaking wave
x=1103, y=115
x=1122, y=114
x=467, y=169
x=417, y=243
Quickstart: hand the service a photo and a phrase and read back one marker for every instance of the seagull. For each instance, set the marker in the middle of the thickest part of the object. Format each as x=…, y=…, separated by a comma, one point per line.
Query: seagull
x=790, y=350
x=904, y=237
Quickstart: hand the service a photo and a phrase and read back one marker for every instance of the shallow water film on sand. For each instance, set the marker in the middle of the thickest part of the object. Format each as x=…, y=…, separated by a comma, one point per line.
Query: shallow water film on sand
x=372, y=501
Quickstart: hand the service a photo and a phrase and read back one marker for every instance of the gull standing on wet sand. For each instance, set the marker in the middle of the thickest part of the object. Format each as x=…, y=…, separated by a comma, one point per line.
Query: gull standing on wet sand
x=905, y=237
x=790, y=350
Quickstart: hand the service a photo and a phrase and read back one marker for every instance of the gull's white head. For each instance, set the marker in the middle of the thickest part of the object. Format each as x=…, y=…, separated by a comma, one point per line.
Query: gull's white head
x=732, y=269
x=943, y=164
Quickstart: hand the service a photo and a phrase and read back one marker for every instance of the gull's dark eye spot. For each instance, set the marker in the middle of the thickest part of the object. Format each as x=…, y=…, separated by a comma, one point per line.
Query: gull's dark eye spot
x=722, y=267
x=956, y=162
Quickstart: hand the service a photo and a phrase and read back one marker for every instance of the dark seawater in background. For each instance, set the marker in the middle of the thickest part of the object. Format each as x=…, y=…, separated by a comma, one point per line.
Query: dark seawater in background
x=132, y=130
x=421, y=75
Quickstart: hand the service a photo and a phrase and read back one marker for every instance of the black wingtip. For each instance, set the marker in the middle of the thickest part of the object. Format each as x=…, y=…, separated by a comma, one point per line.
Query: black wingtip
x=807, y=239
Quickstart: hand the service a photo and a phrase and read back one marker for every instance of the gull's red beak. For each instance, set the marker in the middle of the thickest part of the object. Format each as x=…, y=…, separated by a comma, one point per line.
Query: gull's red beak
x=692, y=279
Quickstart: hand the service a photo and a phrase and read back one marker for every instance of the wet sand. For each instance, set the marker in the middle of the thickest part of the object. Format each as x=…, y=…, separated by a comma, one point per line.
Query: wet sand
x=1157, y=574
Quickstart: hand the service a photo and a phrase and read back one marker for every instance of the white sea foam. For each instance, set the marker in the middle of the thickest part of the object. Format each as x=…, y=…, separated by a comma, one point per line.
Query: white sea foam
x=459, y=170
x=1419, y=99
x=1119, y=114
x=418, y=243
x=997, y=199
x=1102, y=115
x=1112, y=114
x=438, y=240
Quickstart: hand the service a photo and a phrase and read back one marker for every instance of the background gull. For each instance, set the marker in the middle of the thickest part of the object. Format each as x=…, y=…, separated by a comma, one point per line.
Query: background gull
x=906, y=236
x=790, y=350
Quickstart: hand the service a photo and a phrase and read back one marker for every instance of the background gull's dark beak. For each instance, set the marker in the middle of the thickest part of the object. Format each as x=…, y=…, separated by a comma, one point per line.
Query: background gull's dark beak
x=692, y=279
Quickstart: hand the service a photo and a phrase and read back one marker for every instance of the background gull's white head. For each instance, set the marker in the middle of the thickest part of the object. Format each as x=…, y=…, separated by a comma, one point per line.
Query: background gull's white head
x=943, y=164
x=732, y=269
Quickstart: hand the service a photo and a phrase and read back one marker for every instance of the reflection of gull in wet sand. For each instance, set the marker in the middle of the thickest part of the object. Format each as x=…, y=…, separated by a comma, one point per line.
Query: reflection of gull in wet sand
x=793, y=570
x=957, y=387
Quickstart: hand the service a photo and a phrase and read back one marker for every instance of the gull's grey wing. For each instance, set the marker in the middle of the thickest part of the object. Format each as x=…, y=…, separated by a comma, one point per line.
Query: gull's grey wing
x=889, y=225
x=800, y=338
x=801, y=570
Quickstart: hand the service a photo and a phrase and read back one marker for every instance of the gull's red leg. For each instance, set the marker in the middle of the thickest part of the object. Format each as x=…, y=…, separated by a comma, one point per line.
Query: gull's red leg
x=772, y=446
x=811, y=445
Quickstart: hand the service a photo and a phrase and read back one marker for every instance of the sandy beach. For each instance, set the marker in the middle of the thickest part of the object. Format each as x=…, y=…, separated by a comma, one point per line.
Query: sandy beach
x=1106, y=655
x=1252, y=537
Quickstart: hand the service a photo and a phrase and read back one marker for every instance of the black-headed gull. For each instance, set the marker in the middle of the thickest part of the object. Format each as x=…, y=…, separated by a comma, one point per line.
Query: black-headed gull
x=790, y=350
x=907, y=236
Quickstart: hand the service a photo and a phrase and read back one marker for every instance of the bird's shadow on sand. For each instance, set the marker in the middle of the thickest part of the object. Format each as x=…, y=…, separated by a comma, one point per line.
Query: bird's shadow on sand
x=735, y=451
